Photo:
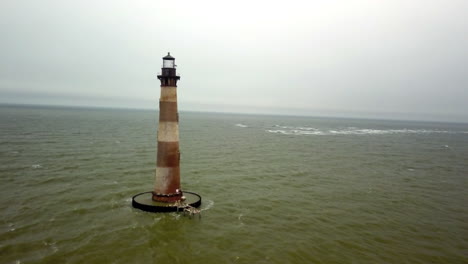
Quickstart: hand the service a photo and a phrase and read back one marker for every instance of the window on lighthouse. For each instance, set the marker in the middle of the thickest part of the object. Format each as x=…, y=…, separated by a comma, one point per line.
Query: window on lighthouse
x=168, y=63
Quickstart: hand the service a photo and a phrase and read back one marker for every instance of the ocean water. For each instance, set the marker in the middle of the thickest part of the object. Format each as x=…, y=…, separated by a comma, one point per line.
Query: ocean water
x=275, y=189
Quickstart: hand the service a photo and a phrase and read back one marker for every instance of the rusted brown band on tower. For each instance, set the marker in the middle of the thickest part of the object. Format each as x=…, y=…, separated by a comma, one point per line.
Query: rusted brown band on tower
x=168, y=154
x=168, y=111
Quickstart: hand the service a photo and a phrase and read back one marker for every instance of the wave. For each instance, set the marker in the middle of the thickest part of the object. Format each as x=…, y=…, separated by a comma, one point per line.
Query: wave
x=296, y=132
x=241, y=125
x=288, y=130
x=207, y=204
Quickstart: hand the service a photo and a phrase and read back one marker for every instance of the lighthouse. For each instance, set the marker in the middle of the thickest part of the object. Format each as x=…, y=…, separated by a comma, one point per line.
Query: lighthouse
x=167, y=194
x=167, y=183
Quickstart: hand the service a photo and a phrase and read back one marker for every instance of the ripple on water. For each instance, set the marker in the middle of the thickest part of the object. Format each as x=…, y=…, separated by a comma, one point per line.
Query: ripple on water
x=389, y=194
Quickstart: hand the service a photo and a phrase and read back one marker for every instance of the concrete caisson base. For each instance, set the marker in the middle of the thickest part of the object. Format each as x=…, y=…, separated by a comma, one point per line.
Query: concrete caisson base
x=144, y=201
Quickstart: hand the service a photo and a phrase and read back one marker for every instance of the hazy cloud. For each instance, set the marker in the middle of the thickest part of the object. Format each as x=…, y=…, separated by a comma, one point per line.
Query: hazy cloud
x=394, y=59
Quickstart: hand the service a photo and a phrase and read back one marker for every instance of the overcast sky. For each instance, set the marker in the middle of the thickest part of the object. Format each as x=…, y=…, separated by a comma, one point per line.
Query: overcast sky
x=361, y=58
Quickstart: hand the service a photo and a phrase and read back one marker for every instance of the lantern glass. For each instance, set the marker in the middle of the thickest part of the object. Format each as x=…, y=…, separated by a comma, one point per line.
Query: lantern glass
x=168, y=63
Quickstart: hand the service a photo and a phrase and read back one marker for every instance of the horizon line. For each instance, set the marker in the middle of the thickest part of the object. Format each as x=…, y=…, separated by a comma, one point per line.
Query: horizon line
x=227, y=112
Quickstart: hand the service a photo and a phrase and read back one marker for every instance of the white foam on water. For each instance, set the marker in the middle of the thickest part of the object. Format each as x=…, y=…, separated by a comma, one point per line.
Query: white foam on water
x=303, y=130
x=207, y=205
x=315, y=132
x=300, y=130
x=240, y=216
x=277, y=131
x=241, y=125
x=36, y=166
x=367, y=131
x=51, y=245
x=308, y=128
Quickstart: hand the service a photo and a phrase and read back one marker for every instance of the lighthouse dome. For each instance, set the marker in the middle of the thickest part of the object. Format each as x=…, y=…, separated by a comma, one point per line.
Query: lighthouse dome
x=168, y=57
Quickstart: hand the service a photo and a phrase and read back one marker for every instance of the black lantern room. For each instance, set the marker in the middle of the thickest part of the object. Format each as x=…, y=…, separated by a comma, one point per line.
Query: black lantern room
x=168, y=61
x=168, y=75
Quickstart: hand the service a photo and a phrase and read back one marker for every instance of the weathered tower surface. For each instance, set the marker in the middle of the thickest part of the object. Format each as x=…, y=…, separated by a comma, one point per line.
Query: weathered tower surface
x=167, y=195
x=167, y=183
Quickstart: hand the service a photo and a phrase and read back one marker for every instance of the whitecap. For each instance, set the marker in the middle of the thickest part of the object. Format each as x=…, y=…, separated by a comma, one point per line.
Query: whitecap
x=36, y=166
x=51, y=245
x=307, y=128
x=241, y=125
x=277, y=131
x=207, y=204
x=304, y=130
x=315, y=132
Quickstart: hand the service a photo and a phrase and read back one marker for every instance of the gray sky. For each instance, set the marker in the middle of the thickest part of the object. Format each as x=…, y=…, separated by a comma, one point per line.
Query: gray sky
x=404, y=59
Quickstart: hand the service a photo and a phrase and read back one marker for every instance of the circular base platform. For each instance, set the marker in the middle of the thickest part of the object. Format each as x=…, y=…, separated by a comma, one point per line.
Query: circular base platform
x=144, y=201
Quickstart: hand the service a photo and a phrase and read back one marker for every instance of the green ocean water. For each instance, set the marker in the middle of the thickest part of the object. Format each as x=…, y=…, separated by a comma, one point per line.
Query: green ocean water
x=275, y=189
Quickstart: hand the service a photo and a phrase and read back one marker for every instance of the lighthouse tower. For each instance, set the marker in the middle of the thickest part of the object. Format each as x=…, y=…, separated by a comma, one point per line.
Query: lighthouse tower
x=167, y=196
x=167, y=183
